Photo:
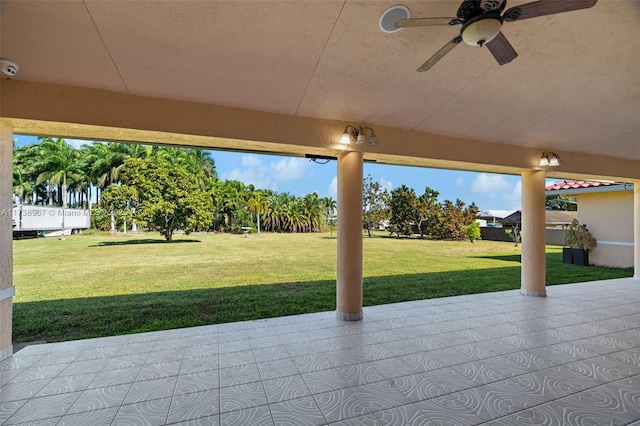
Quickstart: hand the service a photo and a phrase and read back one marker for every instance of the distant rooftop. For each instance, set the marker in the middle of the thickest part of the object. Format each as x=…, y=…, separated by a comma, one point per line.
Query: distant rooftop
x=498, y=214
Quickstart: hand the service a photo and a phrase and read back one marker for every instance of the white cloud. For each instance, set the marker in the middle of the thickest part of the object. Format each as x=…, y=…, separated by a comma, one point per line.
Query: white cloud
x=288, y=169
x=333, y=188
x=460, y=181
x=250, y=160
x=77, y=143
x=386, y=184
x=514, y=198
x=491, y=184
x=268, y=176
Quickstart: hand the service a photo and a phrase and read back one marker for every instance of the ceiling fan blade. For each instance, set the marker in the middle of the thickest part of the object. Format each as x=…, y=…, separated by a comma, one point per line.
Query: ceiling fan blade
x=501, y=49
x=426, y=22
x=440, y=54
x=545, y=7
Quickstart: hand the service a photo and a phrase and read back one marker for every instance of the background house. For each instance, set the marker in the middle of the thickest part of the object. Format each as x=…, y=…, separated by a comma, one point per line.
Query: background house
x=556, y=223
x=607, y=210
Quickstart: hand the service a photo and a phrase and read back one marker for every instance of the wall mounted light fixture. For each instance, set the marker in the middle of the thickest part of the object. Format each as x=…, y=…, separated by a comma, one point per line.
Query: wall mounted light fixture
x=357, y=135
x=549, y=159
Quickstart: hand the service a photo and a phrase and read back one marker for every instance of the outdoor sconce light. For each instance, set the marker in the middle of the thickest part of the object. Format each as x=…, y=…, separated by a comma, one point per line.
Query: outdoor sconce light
x=549, y=159
x=358, y=136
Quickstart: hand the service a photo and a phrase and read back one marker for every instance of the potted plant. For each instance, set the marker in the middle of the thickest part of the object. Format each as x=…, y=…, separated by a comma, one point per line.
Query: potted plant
x=579, y=241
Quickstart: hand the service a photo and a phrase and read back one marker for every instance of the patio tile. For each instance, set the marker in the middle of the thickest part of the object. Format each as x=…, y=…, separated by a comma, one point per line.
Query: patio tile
x=341, y=405
x=242, y=396
x=240, y=374
x=66, y=384
x=102, y=417
x=405, y=415
x=43, y=408
x=148, y=413
x=417, y=387
x=96, y=399
x=258, y=416
x=279, y=368
x=445, y=410
x=325, y=381
x=150, y=389
x=499, y=358
x=300, y=412
x=197, y=382
x=284, y=388
x=194, y=405
x=381, y=396
x=360, y=374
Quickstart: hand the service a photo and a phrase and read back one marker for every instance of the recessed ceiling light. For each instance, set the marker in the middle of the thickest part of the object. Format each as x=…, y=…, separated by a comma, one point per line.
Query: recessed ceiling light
x=391, y=16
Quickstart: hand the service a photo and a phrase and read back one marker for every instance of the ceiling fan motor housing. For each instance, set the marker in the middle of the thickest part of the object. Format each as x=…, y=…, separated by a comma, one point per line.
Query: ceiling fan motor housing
x=482, y=29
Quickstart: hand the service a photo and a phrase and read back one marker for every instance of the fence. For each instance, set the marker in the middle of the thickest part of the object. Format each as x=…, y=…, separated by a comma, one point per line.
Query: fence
x=554, y=237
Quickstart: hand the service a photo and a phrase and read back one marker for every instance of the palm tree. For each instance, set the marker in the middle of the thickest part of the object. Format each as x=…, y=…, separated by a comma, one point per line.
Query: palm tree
x=23, y=176
x=60, y=166
x=257, y=204
x=330, y=207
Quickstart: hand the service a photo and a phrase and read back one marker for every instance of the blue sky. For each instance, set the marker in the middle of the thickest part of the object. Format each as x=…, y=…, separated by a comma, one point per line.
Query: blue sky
x=299, y=176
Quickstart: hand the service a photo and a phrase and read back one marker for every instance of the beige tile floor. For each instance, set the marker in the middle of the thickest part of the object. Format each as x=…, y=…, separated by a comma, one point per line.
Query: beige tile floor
x=572, y=358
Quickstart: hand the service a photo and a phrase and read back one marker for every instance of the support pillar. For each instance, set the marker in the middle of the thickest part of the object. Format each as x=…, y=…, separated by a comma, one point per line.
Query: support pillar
x=349, y=282
x=636, y=231
x=533, y=275
x=6, y=240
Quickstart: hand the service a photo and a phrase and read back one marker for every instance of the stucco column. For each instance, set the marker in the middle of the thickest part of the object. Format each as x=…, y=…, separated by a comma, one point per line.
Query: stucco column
x=533, y=280
x=6, y=240
x=349, y=283
x=636, y=231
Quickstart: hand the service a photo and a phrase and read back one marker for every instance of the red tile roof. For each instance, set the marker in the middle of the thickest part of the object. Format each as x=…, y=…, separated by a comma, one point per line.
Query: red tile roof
x=577, y=184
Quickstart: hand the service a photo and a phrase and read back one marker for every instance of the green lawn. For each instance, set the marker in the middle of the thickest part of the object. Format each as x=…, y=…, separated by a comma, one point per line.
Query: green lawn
x=100, y=285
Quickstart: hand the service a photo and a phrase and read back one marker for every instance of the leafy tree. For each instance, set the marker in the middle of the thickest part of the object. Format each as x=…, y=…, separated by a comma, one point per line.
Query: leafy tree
x=425, y=210
x=121, y=202
x=472, y=232
x=402, y=203
x=375, y=205
x=169, y=198
x=566, y=203
x=515, y=234
x=450, y=220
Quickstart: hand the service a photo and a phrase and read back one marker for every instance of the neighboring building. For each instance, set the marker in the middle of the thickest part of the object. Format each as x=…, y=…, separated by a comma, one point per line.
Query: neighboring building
x=492, y=218
x=607, y=210
x=553, y=219
x=556, y=223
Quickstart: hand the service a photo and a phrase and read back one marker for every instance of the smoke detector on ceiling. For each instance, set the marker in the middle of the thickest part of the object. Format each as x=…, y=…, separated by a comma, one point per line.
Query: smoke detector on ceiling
x=391, y=16
x=8, y=67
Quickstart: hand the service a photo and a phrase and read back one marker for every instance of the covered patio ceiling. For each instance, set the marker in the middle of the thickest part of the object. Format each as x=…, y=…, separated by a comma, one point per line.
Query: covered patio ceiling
x=287, y=76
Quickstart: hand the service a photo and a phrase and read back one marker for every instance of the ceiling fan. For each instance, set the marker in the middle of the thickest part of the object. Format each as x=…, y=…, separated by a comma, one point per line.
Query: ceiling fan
x=481, y=22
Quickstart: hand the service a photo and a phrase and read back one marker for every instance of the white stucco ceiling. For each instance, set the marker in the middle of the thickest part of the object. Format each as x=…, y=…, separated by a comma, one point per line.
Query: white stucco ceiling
x=575, y=85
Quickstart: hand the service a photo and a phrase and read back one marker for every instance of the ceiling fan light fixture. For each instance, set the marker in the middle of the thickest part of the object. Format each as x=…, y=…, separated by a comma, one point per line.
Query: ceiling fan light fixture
x=481, y=30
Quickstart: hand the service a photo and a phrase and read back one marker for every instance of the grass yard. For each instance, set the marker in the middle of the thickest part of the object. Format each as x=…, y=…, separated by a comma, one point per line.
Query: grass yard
x=101, y=285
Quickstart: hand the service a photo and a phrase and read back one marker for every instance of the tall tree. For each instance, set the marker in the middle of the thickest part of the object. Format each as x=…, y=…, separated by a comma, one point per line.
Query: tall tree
x=257, y=204
x=58, y=165
x=375, y=205
x=402, y=203
x=425, y=209
x=169, y=198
